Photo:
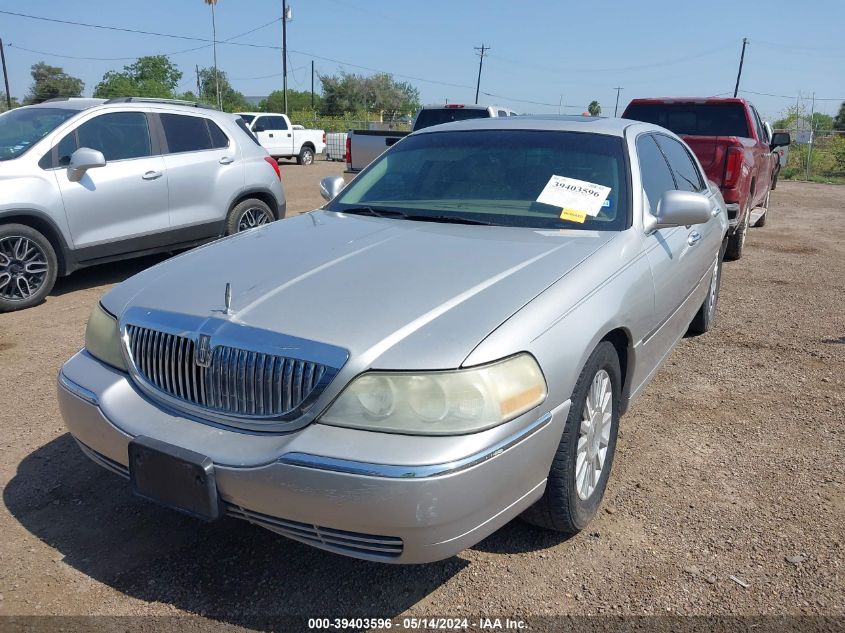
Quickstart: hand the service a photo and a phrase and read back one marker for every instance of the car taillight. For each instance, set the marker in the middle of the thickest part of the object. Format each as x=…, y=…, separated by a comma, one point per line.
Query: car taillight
x=324, y=138
x=275, y=165
x=348, y=153
x=733, y=166
x=454, y=105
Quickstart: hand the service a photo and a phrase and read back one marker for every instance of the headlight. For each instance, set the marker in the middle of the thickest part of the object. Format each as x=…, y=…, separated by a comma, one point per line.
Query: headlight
x=442, y=402
x=102, y=338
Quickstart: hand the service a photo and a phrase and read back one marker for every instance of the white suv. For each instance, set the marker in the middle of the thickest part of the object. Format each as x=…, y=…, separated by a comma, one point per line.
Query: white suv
x=86, y=181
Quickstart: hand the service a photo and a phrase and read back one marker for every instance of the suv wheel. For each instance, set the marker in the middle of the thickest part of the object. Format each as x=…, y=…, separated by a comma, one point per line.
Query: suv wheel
x=28, y=267
x=306, y=156
x=247, y=215
x=581, y=465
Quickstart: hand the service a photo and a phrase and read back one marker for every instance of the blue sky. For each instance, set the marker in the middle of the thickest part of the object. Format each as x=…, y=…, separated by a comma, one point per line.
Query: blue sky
x=543, y=52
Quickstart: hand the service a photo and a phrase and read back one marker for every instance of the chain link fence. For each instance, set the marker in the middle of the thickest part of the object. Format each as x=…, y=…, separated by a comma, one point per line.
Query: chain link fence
x=821, y=160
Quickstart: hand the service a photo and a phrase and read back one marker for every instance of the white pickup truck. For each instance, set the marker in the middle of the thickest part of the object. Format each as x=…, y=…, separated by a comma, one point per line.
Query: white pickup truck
x=281, y=139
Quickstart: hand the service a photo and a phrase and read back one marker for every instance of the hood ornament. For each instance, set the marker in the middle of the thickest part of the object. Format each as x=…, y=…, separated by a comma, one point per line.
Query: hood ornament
x=228, y=298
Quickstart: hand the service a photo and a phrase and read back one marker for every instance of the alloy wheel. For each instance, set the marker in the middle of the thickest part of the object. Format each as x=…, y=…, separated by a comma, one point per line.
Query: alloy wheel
x=23, y=268
x=251, y=218
x=594, y=435
x=714, y=289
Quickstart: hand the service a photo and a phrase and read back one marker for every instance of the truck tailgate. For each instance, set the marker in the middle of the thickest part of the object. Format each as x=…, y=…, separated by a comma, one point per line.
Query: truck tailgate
x=711, y=151
x=367, y=145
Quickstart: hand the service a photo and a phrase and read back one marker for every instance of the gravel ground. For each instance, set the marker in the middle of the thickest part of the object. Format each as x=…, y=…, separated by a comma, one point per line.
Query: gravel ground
x=726, y=496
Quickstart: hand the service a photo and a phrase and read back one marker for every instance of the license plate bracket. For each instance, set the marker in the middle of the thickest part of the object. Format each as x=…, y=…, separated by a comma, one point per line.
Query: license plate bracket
x=174, y=477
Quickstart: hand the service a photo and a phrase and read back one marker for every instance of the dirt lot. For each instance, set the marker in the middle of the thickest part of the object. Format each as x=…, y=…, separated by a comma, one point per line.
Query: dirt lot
x=731, y=464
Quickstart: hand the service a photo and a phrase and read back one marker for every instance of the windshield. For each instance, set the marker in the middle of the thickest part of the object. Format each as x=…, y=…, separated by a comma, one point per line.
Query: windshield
x=436, y=116
x=492, y=176
x=693, y=119
x=22, y=128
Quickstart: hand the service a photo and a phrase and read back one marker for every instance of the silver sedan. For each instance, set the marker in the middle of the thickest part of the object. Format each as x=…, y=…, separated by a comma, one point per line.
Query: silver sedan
x=447, y=344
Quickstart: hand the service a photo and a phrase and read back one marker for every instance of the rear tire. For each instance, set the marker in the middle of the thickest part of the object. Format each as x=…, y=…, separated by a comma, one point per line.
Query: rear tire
x=705, y=318
x=306, y=156
x=248, y=214
x=736, y=242
x=571, y=501
x=28, y=267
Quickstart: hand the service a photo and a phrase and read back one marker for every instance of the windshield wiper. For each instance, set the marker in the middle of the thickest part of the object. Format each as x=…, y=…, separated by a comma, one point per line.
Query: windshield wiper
x=378, y=212
x=447, y=219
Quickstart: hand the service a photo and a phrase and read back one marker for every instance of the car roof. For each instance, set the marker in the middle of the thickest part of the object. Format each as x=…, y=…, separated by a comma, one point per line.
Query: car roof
x=702, y=100
x=593, y=125
x=72, y=103
x=84, y=103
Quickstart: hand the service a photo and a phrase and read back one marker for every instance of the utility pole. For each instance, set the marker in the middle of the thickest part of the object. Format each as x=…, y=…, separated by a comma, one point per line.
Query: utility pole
x=616, y=109
x=741, y=59
x=214, y=43
x=481, y=50
x=812, y=134
x=5, y=77
x=199, y=84
x=312, y=84
x=285, y=52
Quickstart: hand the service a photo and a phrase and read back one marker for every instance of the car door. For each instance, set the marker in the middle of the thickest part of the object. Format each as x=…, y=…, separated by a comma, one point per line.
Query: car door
x=283, y=134
x=205, y=173
x=114, y=206
x=667, y=250
x=764, y=161
x=703, y=240
x=273, y=134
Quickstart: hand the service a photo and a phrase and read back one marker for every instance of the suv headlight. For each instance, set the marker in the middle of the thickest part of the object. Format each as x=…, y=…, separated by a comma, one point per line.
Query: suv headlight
x=440, y=402
x=102, y=338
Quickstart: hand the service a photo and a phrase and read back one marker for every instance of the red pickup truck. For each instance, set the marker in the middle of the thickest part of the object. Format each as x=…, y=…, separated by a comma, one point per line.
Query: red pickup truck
x=733, y=146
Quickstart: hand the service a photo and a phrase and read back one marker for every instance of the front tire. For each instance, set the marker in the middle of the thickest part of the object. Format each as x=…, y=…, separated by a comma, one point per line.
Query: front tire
x=581, y=466
x=28, y=267
x=248, y=214
x=306, y=156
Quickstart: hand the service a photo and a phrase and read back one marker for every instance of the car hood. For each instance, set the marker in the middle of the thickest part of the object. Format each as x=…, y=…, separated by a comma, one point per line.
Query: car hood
x=396, y=294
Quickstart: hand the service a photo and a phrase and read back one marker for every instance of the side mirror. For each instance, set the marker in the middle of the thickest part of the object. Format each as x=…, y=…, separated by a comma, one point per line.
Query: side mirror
x=780, y=139
x=330, y=186
x=259, y=128
x=679, y=208
x=82, y=160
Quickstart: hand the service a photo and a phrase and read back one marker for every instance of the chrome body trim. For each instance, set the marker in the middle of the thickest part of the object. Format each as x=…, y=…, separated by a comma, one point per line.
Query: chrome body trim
x=393, y=471
x=78, y=390
x=255, y=378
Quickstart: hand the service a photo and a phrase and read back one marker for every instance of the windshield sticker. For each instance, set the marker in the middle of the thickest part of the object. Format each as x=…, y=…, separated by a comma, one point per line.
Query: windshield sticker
x=573, y=215
x=571, y=194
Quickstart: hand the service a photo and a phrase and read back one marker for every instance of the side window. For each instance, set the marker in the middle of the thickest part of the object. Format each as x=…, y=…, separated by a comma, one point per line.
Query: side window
x=185, y=133
x=218, y=137
x=758, y=125
x=654, y=172
x=276, y=123
x=502, y=113
x=118, y=135
x=66, y=147
x=686, y=173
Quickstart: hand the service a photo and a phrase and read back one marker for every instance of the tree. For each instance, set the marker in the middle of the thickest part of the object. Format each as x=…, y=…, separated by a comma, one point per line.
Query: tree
x=839, y=121
x=152, y=76
x=594, y=108
x=297, y=100
x=50, y=82
x=348, y=92
x=4, y=106
x=797, y=117
x=232, y=100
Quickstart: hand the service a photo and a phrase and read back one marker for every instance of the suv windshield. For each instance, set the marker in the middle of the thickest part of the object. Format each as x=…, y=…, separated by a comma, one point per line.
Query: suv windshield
x=490, y=176
x=436, y=116
x=693, y=119
x=22, y=128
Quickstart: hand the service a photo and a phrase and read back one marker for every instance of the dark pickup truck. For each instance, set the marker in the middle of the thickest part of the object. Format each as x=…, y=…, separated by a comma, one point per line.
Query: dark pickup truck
x=732, y=144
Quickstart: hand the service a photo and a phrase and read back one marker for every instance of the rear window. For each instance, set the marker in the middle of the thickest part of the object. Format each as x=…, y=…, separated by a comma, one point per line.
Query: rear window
x=693, y=119
x=436, y=116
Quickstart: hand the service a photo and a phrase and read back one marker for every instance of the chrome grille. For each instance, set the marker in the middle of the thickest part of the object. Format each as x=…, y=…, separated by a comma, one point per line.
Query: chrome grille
x=237, y=381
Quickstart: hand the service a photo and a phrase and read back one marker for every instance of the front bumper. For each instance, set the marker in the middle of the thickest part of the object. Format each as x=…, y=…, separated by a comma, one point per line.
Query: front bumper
x=352, y=492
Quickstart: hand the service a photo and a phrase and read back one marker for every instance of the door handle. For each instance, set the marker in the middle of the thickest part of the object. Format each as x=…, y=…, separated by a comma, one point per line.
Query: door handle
x=715, y=212
x=694, y=238
x=271, y=135
x=226, y=160
x=288, y=134
x=152, y=175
